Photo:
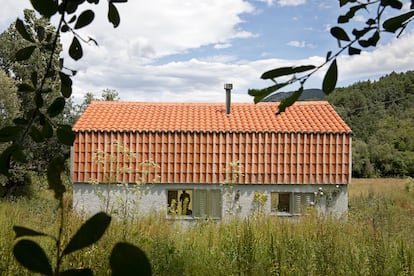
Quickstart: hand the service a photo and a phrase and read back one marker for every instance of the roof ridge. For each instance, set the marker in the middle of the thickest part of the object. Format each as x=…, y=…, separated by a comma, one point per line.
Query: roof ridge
x=317, y=102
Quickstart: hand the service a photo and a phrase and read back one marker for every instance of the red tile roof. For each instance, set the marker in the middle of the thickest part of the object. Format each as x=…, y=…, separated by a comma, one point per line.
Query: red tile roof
x=311, y=116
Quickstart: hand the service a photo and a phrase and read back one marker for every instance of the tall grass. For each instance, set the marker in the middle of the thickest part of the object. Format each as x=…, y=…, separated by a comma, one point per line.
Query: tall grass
x=376, y=239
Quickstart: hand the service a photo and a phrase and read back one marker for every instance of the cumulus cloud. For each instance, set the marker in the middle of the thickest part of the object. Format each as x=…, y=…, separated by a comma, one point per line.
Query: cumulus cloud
x=291, y=2
x=296, y=43
x=149, y=57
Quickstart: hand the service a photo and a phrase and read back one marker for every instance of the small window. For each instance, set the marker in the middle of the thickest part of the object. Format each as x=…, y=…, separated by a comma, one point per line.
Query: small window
x=207, y=203
x=303, y=201
x=291, y=203
x=195, y=203
x=180, y=202
x=280, y=202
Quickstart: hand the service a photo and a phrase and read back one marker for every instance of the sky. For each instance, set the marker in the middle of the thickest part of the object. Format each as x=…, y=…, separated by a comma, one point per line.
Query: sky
x=185, y=51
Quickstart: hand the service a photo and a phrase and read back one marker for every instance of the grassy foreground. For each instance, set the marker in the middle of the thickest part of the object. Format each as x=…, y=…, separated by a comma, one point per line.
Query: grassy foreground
x=376, y=239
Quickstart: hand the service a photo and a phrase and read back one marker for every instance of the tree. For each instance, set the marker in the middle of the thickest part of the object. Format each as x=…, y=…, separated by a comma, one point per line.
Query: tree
x=125, y=259
x=110, y=95
x=28, y=72
x=38, y=124
x=107, y=95
x=9, y=108
x=382, y=19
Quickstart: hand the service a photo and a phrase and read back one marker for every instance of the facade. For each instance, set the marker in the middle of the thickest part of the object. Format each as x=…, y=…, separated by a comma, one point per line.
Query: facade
x=200, y=160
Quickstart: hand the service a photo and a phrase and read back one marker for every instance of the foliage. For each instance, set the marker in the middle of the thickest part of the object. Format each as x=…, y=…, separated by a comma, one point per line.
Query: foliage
x=27, y=67
x=106, y=95
x=259, y=201
x=8, y=99
x=376, y=239
x=38, y=122
x=232, y=204
x=381, y=117
x=382, y=19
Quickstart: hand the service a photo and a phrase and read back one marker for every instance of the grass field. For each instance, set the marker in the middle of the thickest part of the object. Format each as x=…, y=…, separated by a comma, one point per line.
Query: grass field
x=377, y=238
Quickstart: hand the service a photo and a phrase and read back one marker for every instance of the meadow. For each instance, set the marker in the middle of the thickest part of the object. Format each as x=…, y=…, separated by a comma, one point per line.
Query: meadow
x=377, y=238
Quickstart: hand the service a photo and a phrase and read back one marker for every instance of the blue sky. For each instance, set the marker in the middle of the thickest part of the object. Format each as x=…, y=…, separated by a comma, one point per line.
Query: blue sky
x=184, y=51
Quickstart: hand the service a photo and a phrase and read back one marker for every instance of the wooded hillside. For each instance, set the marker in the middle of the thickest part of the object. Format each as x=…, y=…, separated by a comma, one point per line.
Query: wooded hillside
x=381, y=115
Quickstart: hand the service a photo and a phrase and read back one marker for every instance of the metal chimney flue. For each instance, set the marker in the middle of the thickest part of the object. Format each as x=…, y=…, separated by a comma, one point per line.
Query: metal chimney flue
x=228, y=87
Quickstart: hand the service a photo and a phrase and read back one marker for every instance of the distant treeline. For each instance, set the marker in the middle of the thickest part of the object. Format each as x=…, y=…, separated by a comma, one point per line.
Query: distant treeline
x=381, y=115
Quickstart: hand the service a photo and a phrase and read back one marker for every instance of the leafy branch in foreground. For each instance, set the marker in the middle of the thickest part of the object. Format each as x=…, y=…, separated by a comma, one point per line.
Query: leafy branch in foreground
x=365, y=37
x=38, y=124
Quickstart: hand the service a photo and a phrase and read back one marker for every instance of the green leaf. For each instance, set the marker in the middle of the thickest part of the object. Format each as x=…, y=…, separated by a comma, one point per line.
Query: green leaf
x=351, y=13
x=21, y=28
x=339, y=34
x=39, y=100
x=113, y=15
x=284, y=71
x=72, y=19
x=20, y=121
x=353, y=51
x=89, y=233
x=392, y=3
x=36, y=134
x=21, y=231
x=47, y=130
x=359, y=33
x=65, y=135
x=259, y=95
x=127, y=259
x=75, y=49
x=373, y=40
x=394, y=23
x=54, y=170
x=30, y=255
x=25, y=53
x=33, y=78
x=77, y=272
x=5, y=157
x=56, y=107
x=65, y=28
x=328, y=55
x=47, y=8
x=84, y=19
x=330, y=79
x=40, y=30
x=25, y=87
x=285, y=103
x=19, y=156
x=9, y=133
x=65, y=85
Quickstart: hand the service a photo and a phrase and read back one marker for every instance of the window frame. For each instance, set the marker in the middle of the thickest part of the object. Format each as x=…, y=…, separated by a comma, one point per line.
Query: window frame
x=204, y=203
x=298, y=203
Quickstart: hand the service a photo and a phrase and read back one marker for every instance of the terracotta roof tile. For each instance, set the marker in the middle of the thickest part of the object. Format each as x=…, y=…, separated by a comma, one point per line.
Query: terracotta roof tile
x=312, y=116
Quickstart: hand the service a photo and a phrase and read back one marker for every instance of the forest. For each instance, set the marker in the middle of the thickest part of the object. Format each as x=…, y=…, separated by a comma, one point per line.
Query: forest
x=381, y=116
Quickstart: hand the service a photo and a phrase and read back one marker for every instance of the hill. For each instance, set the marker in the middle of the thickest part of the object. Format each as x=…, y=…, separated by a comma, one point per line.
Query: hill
x=381, y=116
x=307, y=95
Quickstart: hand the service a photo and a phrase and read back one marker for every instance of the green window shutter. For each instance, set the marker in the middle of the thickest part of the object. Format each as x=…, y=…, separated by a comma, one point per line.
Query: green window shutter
x=297, y=204
x=200, y=203
x=274, y=199
x=214, y=204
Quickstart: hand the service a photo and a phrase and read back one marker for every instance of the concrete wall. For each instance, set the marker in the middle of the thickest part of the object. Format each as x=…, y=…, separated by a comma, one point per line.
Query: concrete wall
x=128, y=200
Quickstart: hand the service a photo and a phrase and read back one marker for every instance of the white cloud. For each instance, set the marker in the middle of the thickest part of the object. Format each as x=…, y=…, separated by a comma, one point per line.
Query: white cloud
x=128, y=58
x=397, y=56
x=268, y=2
x=10, y=10
x=296, y=43
x=222, y=46
x=284, y=3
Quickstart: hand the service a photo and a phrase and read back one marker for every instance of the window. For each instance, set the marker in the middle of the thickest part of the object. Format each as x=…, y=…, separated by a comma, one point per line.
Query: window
x=179, y=202
x=291, y=203
x=195, y=203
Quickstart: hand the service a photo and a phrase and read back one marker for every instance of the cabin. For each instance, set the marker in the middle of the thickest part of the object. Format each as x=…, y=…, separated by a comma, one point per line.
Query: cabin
x=211, y=160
